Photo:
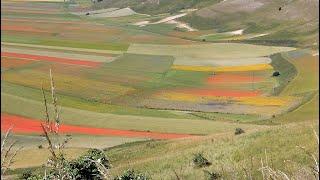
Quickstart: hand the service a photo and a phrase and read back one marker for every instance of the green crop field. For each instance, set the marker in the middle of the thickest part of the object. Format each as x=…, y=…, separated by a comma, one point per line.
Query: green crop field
x=141, y=63
x=306, y=79
x=78, y=103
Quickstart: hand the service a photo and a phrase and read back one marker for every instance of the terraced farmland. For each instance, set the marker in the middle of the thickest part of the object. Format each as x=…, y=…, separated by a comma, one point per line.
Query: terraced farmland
x=123, y=76
x=142, y=76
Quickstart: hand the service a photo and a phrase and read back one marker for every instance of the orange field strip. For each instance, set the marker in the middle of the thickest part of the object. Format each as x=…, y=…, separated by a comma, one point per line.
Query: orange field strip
x=28, y=125
x=52, y=59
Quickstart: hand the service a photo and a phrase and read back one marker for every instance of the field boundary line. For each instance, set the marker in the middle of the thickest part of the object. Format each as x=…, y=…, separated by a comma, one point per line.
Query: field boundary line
x=63, y=48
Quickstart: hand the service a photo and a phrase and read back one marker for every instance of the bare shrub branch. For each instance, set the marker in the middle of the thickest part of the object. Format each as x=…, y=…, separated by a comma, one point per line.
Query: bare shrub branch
x=7, y=156
x=51, y=146
x=55, y=103
x=5, y=138
x=102, y=169
x=46, y=111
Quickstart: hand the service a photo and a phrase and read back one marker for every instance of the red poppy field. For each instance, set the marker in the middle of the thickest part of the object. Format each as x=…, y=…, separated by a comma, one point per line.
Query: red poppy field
x=27, y=125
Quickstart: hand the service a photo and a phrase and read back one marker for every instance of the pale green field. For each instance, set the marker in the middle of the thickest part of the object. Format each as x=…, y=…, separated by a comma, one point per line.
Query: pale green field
x=63, y=48
x=95, y=11
x=37, y=157
x=307, y=78
x=208, y=50
x=305, y=113
x=32, y=156
x=114, y=13
x=28, y=141
x=57, y=54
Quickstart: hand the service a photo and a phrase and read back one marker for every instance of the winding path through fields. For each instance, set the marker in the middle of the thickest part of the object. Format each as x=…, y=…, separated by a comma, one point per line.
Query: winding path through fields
x=27, y=125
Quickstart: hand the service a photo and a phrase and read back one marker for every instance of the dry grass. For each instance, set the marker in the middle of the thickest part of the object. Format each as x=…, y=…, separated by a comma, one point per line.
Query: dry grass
x=233, y=157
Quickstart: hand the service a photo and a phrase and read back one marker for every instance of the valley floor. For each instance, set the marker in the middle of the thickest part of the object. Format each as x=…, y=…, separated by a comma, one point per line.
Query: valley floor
x=154, y=94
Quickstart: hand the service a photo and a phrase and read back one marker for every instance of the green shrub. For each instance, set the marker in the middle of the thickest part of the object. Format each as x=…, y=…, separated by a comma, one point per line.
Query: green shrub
x=211, y=175
x=276, y=73
x=132, y=175
x=85, y=168
x=200, y=161
x=28, y=175
x=239, y=131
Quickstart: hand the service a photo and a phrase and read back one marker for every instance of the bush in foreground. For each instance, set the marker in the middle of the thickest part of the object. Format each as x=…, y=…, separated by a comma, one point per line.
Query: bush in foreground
x=28, y=175
x=85, y=166
x=211, y=175
x=200, y=161
x=132, y=175
x=239, y=131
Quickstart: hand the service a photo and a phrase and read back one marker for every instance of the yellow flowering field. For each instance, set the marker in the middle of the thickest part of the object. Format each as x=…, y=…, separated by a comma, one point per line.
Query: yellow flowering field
x=265, y=101
x=257, y=101
x=255, y=67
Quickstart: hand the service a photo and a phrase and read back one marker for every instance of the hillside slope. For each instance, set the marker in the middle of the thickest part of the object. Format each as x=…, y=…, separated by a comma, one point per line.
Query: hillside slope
x=296, y=23
x=285, y=22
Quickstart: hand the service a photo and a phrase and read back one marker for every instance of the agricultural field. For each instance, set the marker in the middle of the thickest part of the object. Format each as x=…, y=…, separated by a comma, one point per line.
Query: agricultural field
x=151, y=85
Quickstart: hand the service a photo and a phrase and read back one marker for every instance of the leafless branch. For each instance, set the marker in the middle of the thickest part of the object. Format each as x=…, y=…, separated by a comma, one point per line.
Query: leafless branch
x=5, y=138
x=51, y=147
x=316, y=135
x=269, y=173
x=5, y=153
x=11, y=159
x=46, y=108
x=176, y=174
x=54, y=102
x=102, y=169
